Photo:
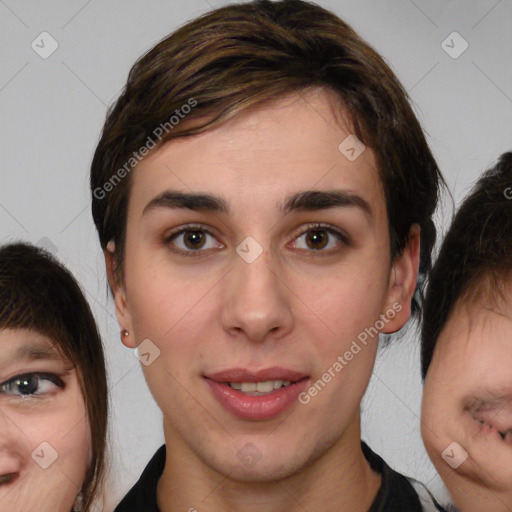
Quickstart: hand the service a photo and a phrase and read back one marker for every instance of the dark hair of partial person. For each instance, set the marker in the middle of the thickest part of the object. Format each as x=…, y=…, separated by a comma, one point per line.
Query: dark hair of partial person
x=247, y=54
x=38, y=293
x=475, y=259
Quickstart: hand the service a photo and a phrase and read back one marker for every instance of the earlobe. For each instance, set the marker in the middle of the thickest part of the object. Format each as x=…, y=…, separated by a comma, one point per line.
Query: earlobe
x=119, y=291
x=403, y=280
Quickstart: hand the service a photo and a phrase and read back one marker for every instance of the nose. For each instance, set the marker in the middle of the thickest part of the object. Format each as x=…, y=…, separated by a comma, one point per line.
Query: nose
x=257, y=302
x=12, y=440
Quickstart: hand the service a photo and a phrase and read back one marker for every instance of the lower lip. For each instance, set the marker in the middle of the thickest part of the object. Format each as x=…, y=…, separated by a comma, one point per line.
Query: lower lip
x=257, y=408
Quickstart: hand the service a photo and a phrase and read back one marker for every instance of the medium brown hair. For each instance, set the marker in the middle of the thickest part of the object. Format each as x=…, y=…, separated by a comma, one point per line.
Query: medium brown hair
x=38, y=293
x=246, y=54
x=475, y=259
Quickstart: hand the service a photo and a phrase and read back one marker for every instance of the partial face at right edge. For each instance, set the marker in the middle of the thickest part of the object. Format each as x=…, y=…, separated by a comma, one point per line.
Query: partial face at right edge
x=467, y=406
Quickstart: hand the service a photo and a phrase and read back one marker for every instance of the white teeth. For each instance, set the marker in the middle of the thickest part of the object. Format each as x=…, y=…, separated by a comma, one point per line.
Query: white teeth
x=265, y=387
x=259, y=387
x=248, y=387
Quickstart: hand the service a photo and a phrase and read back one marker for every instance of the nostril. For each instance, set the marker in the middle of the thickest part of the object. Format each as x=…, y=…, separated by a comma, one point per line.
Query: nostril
x=8, y=478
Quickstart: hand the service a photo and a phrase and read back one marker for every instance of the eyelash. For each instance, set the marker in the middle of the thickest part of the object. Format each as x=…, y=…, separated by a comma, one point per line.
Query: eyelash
x=197, y=227
x=6, y=387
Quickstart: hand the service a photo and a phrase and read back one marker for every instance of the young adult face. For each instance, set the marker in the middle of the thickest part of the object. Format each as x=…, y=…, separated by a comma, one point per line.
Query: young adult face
x=217, y=314
x=467, y=400
x=44, y=434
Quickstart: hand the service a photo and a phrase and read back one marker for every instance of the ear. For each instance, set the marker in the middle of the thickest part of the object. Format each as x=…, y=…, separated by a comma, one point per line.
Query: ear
x=118, y=289
x=402, y=283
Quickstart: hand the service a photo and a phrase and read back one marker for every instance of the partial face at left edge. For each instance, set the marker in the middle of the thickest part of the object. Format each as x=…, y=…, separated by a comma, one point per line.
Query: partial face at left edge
x=44, y=432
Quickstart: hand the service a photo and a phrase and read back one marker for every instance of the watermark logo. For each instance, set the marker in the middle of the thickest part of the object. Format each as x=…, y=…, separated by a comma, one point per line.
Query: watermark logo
x=351, y=147
x=249, y=250
x=343, y=360
x=44, y=45
x=143, y=151
x=48, y=245
x=508, y=193
x=249, y=455
x=454, y=45
x=454, y=455
x=45, y=455
x=147, y=352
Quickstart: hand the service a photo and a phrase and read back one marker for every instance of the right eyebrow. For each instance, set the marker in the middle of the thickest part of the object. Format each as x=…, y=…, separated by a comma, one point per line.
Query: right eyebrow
x=39, y=351
x=190, y=201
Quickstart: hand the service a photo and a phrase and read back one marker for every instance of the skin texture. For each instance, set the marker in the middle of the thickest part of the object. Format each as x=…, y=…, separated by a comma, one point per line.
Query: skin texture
x=469, y=381
x=295, y=306
x=56, y=416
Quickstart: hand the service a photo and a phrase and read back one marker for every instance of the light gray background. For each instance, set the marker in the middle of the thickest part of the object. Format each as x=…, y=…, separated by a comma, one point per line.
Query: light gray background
x=53, y=109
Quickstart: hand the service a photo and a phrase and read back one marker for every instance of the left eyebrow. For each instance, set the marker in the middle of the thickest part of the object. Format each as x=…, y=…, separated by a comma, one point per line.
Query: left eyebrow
x=309, y=200
x=312, y=200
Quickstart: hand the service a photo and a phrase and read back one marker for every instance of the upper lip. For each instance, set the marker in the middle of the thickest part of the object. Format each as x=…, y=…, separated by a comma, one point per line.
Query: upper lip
x=265, y=374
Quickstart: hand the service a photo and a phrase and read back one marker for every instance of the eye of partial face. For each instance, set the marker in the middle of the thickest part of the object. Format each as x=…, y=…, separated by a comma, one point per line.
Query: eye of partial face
x=32, y=384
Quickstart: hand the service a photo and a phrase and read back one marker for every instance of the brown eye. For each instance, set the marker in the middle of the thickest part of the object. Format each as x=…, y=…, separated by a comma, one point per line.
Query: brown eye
x=321, y=239
x=194, y=239
x=317, y=239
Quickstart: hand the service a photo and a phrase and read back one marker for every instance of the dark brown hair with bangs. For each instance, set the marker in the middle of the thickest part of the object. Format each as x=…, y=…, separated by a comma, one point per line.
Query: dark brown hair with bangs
x=38, y=293
x=475, y=260
x=246, y=54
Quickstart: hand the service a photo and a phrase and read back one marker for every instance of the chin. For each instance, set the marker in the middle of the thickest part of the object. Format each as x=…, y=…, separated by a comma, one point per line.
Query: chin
x=260, y=473
x=249, y=465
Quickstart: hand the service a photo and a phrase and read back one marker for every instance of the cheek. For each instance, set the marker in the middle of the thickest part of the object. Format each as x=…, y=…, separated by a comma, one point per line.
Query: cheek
x=159, y=294
x=430, y=417
x=66, y=435
x=54, y=450
x=352, y=303
x=441, y=408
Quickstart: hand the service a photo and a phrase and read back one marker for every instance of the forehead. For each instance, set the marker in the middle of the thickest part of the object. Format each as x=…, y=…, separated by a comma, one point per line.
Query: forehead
x=265, y=153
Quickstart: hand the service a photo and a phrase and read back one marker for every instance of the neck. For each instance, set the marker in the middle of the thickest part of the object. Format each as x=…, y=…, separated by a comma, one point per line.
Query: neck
x=339, y=479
